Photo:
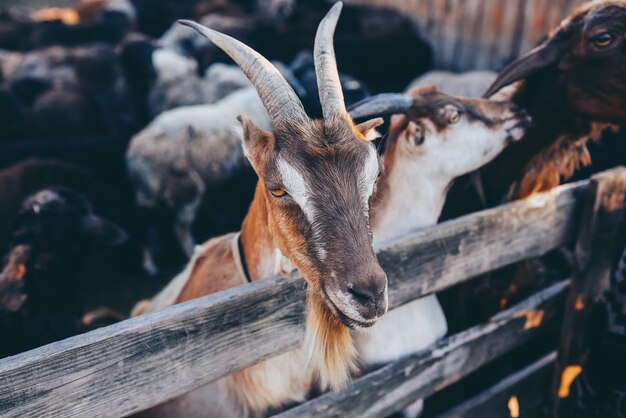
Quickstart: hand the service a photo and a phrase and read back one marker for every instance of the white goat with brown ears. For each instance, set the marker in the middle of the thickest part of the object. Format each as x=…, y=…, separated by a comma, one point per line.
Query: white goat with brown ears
x=433, y=139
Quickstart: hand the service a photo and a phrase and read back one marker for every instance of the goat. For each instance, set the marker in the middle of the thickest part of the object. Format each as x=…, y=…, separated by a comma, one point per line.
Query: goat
x=54, y=232
x=433, y=139
x=330, y=180
x=572, y=85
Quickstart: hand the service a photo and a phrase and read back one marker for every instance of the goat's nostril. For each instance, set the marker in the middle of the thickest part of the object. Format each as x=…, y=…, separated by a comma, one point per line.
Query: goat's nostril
x=363, y=297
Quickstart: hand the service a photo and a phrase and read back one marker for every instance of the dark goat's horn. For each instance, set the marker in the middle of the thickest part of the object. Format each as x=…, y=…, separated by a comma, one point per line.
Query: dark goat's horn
x=381, y=105
x=279, y=99
x=331, y=96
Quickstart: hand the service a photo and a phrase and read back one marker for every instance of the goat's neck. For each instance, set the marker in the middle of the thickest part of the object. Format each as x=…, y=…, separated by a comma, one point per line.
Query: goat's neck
x=410, y=195
x=261, y=254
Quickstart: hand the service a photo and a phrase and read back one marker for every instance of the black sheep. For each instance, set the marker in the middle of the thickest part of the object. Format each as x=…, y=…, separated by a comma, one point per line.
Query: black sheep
x=54, y=233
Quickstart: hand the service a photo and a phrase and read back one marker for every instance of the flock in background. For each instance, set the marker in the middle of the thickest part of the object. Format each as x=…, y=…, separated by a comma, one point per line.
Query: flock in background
x=306, y=172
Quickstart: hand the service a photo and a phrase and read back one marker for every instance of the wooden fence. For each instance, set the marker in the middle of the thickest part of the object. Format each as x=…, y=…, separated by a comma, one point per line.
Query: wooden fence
x=480, y=34
x=135, y=364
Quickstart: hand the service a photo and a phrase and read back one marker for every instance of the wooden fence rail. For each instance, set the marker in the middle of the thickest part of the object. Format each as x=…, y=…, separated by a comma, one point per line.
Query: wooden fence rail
x=127, y=367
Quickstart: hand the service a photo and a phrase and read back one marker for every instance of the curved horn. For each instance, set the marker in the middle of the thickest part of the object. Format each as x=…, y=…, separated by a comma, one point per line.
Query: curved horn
x=277, y=96
x=329, y=86
x=381, y=104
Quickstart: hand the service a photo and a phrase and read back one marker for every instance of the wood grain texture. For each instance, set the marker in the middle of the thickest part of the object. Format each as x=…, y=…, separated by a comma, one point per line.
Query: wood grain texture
x=393, y=387
x=603, y=214
x=138, y=363
x=531, y=387
x=436, y=258
x=480, y=34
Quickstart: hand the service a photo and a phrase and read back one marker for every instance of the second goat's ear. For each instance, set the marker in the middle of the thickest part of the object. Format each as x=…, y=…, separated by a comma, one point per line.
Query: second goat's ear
x=256, y=141
x=367, y=129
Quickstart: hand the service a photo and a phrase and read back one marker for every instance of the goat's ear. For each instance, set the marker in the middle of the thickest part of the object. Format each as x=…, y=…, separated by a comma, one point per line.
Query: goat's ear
x=255, y=141
x=104, y=232
x=539, y=58
x=367, y=130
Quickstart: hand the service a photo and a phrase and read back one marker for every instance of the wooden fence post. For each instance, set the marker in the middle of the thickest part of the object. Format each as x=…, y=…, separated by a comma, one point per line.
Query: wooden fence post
x=601, y=218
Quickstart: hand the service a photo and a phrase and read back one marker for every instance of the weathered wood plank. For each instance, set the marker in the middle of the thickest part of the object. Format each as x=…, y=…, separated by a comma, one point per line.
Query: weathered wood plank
x=530, y=386
x=595, y=251
x=140, y=362
x=442, y=256
x=130, y=366
x=397, y=385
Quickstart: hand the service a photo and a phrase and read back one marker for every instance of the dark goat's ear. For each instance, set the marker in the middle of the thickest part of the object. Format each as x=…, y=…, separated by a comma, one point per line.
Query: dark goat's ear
x=103, y=231
x=539, y=58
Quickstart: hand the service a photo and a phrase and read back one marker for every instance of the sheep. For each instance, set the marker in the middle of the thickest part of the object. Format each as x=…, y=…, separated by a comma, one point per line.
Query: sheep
x=468, y=84
x=62, y=91
x=179, y=85
x=20, y=180
x=282, y=30
x=54, y=232
x=185, y=152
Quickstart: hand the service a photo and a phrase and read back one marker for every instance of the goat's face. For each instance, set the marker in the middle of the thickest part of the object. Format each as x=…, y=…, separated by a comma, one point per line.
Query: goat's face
x=450, y=135
x=317, y=179
x=62, y=219
x=593, y=71
x=583, y=61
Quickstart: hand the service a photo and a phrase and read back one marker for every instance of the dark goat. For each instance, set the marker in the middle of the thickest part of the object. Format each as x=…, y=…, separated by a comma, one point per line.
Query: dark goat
x=54, y=233
x=573, y=84
x=574, y=87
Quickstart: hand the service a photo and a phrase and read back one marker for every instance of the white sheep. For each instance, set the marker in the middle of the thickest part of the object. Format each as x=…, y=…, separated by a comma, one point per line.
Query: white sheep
x=468, y=84
x=183, y=151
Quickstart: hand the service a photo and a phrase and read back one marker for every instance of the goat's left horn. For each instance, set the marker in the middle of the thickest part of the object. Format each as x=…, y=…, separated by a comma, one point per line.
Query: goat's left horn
x=329, y=86
x=281, y=102
x=381, y=105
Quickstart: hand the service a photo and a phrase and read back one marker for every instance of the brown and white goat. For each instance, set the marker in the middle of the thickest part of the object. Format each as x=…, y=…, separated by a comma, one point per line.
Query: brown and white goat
x=433, y=139
x=310, y=210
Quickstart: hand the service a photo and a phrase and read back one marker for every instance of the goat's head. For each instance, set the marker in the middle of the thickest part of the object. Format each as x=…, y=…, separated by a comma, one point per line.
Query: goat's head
x=584, y=58
x=62, y=219
x=449, y=135
x=316, y=178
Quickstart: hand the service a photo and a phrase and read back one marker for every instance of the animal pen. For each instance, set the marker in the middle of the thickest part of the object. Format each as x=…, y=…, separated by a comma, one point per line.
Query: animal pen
x=138, y=363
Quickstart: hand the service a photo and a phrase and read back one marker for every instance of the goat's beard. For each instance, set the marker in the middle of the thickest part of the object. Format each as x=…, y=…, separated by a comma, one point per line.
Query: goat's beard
x=331, y=354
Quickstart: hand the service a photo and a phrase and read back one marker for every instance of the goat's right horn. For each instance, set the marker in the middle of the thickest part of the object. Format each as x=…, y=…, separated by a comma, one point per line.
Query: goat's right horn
x=381, y=105
x=328, y=84
x=277, y=96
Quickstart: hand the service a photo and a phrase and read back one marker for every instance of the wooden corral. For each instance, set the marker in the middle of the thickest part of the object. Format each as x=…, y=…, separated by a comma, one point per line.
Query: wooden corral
x=135, y=364
x=480, y=34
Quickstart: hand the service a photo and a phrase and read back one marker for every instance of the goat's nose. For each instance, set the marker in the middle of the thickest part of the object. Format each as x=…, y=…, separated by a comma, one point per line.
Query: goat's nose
x=371, y=293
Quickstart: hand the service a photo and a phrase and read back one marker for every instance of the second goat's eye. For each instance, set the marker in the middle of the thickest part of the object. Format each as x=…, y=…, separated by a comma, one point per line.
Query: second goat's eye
x=454, y=116
x=603, y=40
x=278, y=192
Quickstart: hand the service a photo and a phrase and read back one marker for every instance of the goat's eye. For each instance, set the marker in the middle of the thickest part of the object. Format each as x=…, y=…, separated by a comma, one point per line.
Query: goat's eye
x=454, y=116
x=603, y=40
x=279, y=192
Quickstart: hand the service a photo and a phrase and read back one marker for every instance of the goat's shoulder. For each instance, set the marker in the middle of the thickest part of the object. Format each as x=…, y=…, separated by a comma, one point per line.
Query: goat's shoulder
x=214, y=268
